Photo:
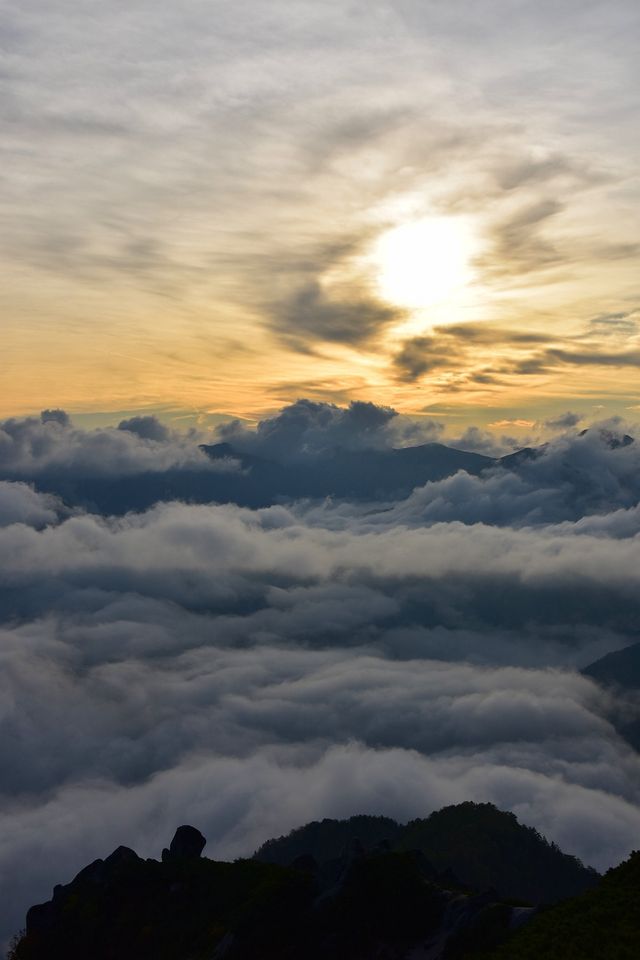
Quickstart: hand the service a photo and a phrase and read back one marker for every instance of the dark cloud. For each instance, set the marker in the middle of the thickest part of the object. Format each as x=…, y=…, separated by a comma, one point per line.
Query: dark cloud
x=564, y=421
x=519, y=244
x=312, y=315
x=465, y=349
x=530, y=170
x=421, y=355
x=594, y=357
x=147, y=428
x=309, y=428
x=50, y=445
x=615, y=324
x=55, y=416
x=455, y=347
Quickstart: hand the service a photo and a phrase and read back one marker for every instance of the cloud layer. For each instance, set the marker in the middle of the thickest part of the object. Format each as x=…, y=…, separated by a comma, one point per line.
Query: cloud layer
x=248, y=670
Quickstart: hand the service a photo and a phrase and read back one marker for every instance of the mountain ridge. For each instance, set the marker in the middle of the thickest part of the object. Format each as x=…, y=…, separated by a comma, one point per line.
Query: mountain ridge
x=369, y=902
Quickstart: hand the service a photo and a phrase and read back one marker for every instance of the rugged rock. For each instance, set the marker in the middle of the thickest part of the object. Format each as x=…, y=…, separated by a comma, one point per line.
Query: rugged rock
x=187, y=842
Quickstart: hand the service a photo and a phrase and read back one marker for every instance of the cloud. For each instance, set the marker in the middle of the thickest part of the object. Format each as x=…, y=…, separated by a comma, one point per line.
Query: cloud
x=623, y=323
x=469, y=350
x=55, y=416
x=542, y=169
x=147, y=428
x=310, y=429
x=51, y=445
x=564, y=421
x=249, y=669
x=311, y=316
x=486, y=442
x=570, y=479
x=462, y=347
x=19, y=503
x=421, y=355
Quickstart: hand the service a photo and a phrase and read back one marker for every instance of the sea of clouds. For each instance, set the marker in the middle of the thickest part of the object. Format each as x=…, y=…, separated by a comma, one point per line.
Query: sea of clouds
x=247, y=670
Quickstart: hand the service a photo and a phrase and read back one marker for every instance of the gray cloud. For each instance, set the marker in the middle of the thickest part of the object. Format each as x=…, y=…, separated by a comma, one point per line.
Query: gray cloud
x=250, y=669
x=455, y=348
x=564, y=421
x=310, y=316
x=571, y=479
x=147, y=428
x=310, y=428
x=421, y=355
x=20, y=503
x=32, y=447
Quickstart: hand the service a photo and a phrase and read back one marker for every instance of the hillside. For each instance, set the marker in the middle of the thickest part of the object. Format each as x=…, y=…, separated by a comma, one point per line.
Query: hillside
x=188, y=908
x=488, y=848
x=482, y=846
x=335, y=898
x=602, y=924
x=621, y=668
x=620, y=673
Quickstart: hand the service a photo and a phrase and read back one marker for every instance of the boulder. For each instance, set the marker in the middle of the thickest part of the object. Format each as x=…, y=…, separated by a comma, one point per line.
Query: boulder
x=187, y=842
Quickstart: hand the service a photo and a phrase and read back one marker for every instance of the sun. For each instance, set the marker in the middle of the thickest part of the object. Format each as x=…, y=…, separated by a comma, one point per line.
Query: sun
x=424, y=262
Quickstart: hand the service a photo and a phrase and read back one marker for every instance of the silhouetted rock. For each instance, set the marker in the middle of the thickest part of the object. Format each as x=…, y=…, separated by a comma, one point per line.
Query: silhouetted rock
x=187, y=842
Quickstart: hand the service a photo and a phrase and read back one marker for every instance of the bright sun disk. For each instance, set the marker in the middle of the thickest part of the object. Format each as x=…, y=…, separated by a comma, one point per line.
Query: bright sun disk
x=422, y=263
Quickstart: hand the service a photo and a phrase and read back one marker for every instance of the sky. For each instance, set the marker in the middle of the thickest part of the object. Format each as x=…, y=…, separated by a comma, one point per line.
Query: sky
x=216, y=209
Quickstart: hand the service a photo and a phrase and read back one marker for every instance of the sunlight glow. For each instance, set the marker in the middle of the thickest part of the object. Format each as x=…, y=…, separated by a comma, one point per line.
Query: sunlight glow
x=422, y=263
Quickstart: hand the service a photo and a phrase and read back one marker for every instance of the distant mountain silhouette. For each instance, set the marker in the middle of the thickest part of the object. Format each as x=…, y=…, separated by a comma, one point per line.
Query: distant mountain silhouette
x=356, y=475
x=260, y=482
x=346, y=474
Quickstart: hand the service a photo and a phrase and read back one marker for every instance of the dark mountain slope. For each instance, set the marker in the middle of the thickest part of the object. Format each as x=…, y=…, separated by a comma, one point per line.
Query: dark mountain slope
x=326, y=839
x=381, y=904
x=620, y=673
x=362, y=475
x=483, y=846
x=486, y=847
x=359, y=475
x=621, y=669
x=602, y=924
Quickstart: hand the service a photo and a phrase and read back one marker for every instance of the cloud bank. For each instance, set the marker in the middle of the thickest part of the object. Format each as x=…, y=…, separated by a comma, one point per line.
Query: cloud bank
x=250, y=669
x=31, y=447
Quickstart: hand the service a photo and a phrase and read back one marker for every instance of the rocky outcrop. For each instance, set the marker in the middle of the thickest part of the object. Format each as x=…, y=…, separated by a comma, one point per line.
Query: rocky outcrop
x=187, y=842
